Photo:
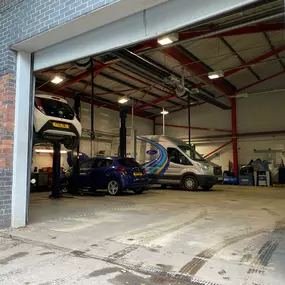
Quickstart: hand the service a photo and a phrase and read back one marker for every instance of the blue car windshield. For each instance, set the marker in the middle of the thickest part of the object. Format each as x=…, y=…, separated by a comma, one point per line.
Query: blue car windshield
x=128, y=162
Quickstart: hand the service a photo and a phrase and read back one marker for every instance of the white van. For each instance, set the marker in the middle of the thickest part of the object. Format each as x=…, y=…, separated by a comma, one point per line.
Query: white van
x=54, y=120
x=170, y=161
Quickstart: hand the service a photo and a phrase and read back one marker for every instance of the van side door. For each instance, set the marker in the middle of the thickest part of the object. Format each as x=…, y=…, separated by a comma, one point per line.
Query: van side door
x=178, y=162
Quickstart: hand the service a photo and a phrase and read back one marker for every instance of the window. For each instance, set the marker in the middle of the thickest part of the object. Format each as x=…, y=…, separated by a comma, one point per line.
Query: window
x=54, y=108
x=101, y=162
x=87, y=164
x=128, y=162
x=190, y=152
x=175, y=156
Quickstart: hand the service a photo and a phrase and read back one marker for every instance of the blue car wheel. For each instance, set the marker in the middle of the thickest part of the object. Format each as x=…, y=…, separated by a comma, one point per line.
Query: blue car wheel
x=113, y=187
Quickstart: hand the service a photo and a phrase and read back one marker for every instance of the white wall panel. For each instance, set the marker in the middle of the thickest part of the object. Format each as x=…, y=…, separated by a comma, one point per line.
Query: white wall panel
x=206, y=116
x=41, y=160
x=222, y=158
x=264, y=112
x=260, y=112
x=107, y=120
x=273, y=84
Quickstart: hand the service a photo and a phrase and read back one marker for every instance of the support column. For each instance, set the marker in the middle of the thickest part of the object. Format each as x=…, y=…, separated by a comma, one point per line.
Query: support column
x=189, y=131
x=163, y=122
x=23, y=134
x=234, y=135
x=123, y=132
x=75, y=154
x=92, y=134
x=55, y=191
x=133, y=143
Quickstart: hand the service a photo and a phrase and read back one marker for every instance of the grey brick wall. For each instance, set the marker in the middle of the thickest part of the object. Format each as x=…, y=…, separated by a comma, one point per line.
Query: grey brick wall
x=20, y=20
x=5, y=196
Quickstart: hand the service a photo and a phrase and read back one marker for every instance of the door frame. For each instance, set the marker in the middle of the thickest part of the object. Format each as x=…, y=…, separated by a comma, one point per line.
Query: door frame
x=149, y=21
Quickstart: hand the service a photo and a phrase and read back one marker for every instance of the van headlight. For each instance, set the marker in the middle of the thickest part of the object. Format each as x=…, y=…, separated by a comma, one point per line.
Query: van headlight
x=205, y=167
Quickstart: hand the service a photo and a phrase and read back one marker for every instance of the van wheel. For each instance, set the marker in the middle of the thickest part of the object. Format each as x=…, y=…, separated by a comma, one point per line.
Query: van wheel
x=207, y=188
x=190, y=183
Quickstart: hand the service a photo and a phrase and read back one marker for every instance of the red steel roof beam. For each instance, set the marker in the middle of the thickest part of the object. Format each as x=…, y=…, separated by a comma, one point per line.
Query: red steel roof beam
x=81, y=76
x=258, y=28
x=142, y=96
x=199, y=70
x=69, y=94
x=156, y=101
x=119, y=91
x=141, y=81
x=255, y=60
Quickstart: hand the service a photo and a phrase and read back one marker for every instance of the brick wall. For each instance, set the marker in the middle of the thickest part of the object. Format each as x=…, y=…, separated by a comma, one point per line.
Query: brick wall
x=20, y=20
x=7, y=106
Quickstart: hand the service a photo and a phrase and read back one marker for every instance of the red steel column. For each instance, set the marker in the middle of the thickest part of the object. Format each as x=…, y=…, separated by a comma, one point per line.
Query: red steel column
x=234, y=134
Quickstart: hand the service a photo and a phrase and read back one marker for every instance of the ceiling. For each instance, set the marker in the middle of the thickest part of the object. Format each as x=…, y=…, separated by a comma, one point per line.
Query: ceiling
x=248, y=46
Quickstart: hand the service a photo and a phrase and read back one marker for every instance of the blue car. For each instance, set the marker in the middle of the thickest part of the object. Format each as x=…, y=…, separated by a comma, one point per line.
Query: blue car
x=111, y=173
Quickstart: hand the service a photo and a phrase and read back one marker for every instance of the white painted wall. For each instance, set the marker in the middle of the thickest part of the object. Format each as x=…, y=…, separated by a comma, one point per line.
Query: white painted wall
x=41, y=160
x=201, y=116
x=258, y=113
x=108, y=121
x=263, y=112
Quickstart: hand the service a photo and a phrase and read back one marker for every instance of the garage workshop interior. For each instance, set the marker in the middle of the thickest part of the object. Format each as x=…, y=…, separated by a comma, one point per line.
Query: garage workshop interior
x=142, y=142
x=194, y=108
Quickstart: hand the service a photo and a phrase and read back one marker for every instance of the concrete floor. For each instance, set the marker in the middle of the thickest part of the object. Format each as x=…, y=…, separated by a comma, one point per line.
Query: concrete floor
x=231, y=235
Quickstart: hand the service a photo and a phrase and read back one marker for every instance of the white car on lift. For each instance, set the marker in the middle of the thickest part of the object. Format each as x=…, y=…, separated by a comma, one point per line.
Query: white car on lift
x=55, y=121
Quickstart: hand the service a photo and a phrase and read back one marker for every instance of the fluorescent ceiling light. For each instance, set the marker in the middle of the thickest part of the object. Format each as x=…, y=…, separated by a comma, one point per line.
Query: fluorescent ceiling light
x=48, y=151
x=123, y=100
x=57, y=79
x=168, y=39
x=164, y=112
x=216, y=74
x=243, y=95
x=237, y=96
x=165, y=41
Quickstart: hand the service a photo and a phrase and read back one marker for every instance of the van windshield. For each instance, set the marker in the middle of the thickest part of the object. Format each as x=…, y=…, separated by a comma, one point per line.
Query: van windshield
x=190, y=152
